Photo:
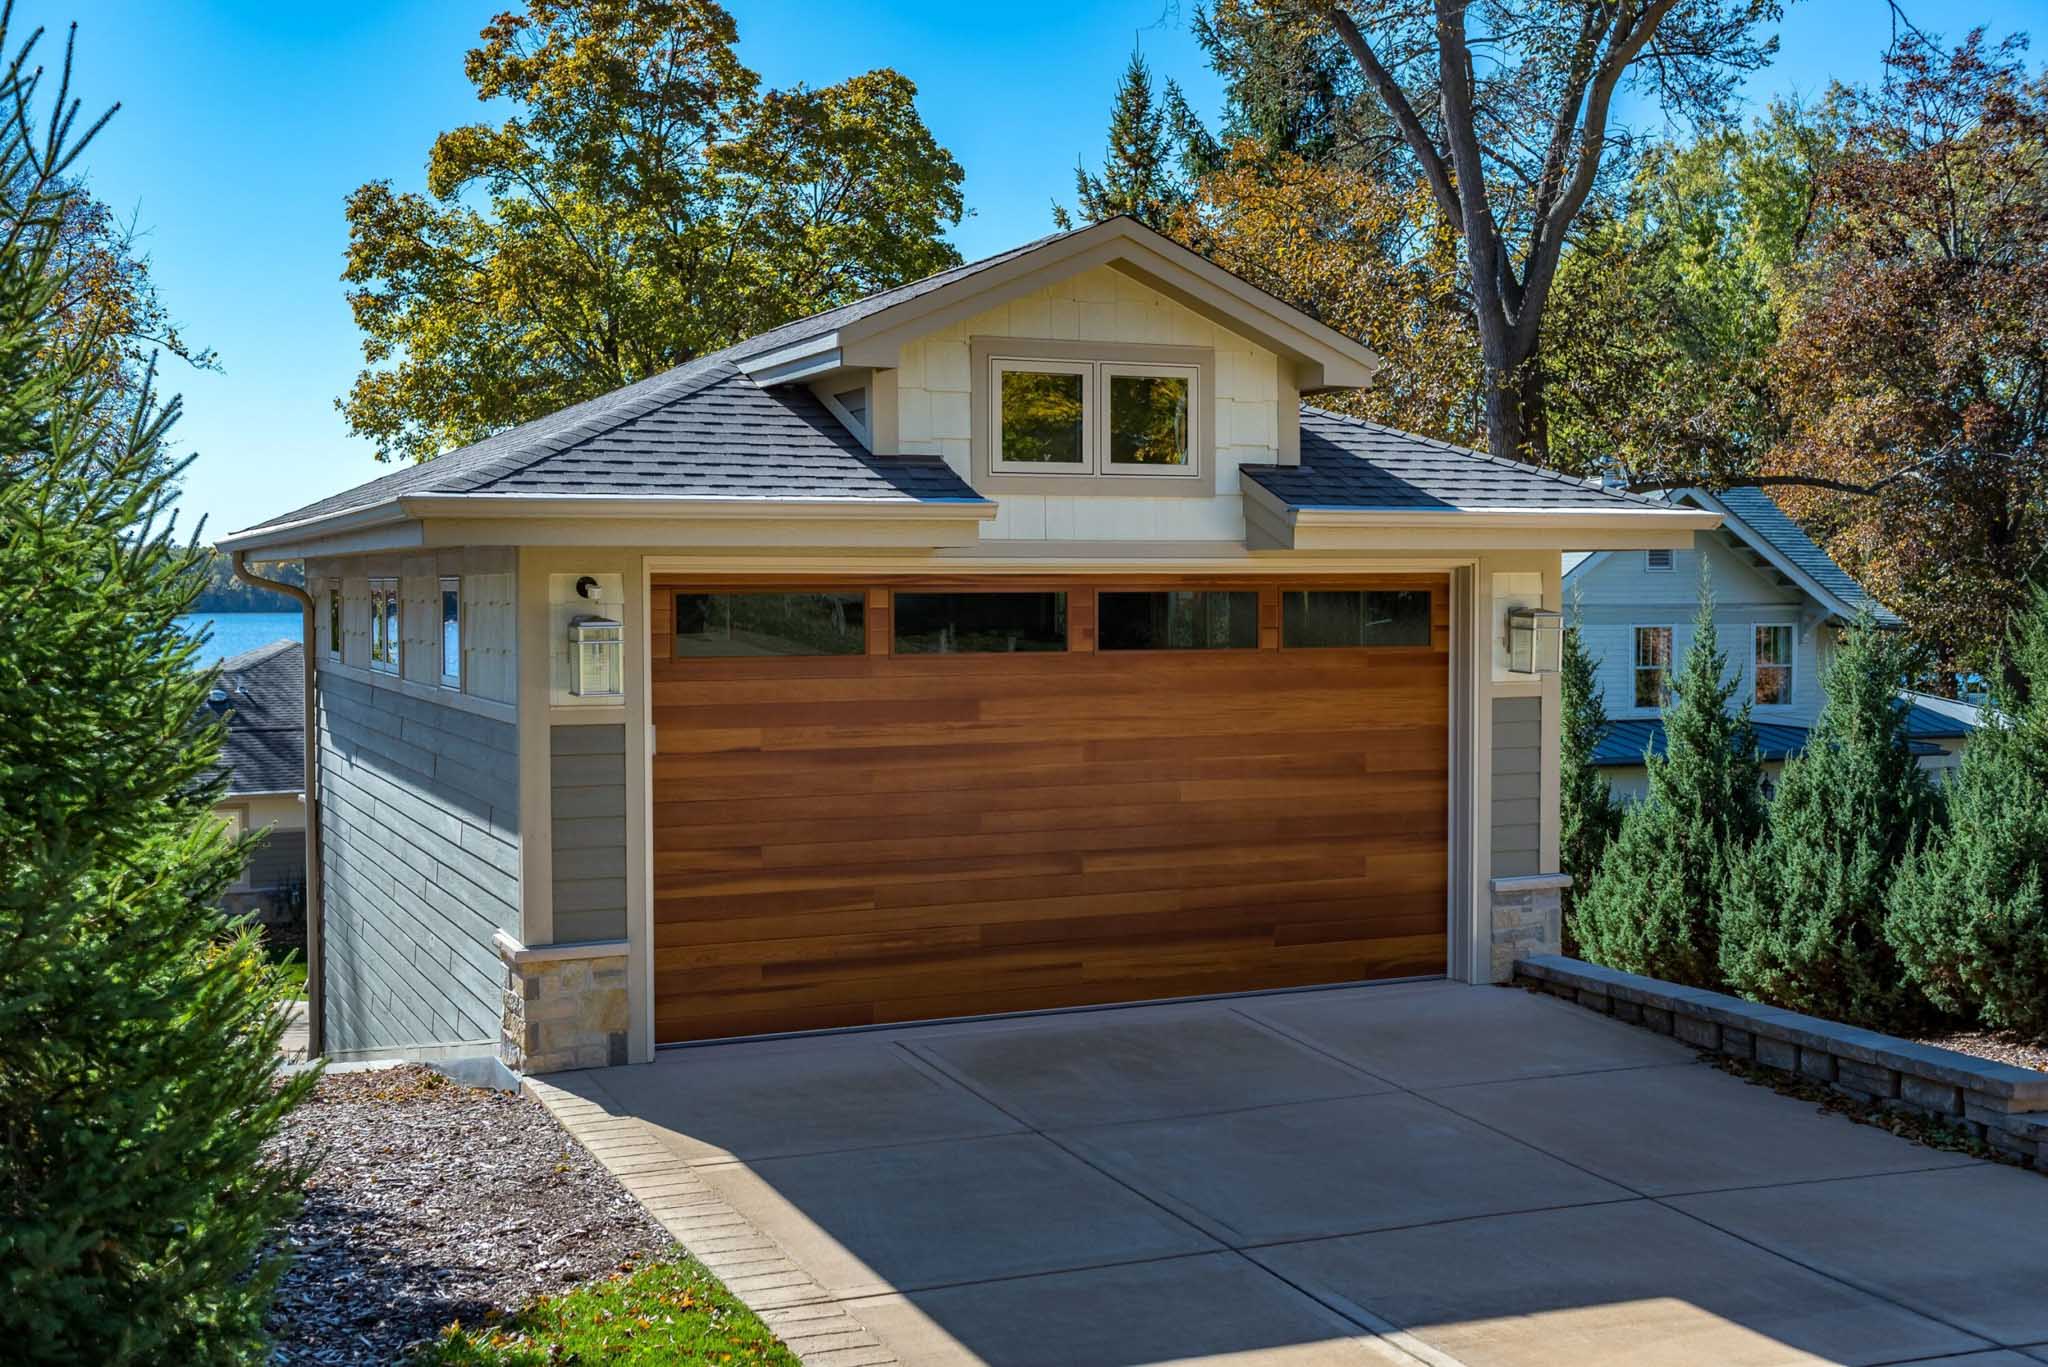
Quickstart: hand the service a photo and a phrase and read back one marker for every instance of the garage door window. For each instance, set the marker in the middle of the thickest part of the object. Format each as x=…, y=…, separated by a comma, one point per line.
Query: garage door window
x=979, y=623
x=737, y=624
x=1187, y=620
x=1354, y=617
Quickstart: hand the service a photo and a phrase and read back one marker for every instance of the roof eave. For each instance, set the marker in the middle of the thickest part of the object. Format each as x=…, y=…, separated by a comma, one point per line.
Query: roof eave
x=400, y=521
x=1291, y=526
x=1820, y=593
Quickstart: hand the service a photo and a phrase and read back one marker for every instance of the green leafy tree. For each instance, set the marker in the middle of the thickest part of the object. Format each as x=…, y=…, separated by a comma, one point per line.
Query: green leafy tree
x=1969, y=912
x=138, y=1041
x=1803, y=924
x=1655, y=907
x=645, y=202
x=1590, y=815
x=1139, y=175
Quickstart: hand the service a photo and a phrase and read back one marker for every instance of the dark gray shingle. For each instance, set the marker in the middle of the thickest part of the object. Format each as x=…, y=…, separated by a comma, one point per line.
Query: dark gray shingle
x=265, y=712
x=1763, y=515
x=1350, y=463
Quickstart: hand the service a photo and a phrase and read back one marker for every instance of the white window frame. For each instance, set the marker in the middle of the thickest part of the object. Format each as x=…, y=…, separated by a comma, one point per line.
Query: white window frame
x=387, y=625
x=1000, y=366
x=1650, y=565
x=1105, y=371
x=1637, y=668
x=337, y=611
x=1791, y=665
x=451, y=670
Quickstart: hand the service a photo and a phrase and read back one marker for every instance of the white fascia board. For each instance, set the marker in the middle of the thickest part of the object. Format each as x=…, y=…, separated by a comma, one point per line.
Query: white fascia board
x=399, y=523
x=800, y=361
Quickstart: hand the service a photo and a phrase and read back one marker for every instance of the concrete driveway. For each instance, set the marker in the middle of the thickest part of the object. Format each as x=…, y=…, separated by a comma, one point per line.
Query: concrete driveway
x=1417, y=1172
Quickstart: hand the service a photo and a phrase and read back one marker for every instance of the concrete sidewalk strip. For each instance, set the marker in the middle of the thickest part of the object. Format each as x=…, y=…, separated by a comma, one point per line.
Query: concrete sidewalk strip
x=717, y=1236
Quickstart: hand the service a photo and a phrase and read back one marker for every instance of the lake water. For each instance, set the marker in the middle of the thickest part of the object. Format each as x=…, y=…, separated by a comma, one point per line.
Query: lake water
x=235, y=632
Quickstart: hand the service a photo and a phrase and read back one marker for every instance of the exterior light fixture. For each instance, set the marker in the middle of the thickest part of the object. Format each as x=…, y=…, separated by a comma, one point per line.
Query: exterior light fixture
x=597, y=651
x=1535, y=641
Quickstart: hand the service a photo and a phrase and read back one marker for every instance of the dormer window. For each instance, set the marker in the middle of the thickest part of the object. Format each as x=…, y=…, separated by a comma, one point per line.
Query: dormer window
x=1093, y=417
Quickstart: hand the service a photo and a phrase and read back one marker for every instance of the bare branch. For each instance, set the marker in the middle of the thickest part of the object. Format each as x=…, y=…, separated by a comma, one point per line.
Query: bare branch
x=1405, y=118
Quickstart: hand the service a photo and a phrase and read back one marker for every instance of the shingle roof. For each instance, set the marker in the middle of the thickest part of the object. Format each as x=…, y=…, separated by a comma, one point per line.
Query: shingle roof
x=1761, y=513
x=1350, y=463
x=265, y=712
x=1624, y=742
x=1932, y=718
x=614, y=418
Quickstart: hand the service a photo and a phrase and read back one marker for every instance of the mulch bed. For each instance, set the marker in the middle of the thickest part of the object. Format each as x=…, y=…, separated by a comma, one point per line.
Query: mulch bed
x=2000, y=1048
x=435, y=1202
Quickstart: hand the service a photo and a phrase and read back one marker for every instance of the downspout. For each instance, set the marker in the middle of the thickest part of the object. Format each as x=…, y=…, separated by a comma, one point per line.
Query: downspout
x=316, y=980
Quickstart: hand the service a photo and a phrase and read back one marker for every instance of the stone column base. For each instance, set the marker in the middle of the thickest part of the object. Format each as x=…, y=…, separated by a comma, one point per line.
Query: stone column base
x=565, y=1006
x=1528, y=918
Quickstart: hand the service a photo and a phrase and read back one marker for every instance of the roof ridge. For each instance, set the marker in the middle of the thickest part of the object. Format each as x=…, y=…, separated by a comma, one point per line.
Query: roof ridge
x=256, y=655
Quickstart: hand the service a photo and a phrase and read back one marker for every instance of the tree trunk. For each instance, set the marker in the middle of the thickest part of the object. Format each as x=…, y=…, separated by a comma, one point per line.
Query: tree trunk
x=1517, y=423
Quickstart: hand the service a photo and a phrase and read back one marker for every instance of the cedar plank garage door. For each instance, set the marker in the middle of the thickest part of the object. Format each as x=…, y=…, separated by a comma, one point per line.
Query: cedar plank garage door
x=850, y=840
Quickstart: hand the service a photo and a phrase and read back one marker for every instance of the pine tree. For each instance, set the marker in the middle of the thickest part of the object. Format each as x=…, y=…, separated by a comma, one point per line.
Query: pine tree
x=1138, y=172
x=1655, y=906
x=1969, y=914
x=138, y=1040
x=1590, y=815
x=1804, y=920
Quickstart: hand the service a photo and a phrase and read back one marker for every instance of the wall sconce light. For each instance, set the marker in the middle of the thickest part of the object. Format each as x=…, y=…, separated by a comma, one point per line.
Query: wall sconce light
x=597, y=657
x=1535, y=641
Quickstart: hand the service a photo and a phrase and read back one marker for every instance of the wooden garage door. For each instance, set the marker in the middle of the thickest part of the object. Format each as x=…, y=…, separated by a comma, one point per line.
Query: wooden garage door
x=855, y=839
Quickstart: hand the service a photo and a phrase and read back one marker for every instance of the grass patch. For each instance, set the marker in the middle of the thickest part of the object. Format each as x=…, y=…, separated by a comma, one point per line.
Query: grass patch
x=667, y=1312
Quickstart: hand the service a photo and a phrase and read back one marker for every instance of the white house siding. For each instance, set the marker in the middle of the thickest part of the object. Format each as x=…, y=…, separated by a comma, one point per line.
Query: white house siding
x=935, y=416
x=1615, y=593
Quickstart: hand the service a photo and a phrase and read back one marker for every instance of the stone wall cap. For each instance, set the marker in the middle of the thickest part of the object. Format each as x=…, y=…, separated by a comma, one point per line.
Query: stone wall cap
x=516, y=954
x=1792, y=1027
x=1532, y=882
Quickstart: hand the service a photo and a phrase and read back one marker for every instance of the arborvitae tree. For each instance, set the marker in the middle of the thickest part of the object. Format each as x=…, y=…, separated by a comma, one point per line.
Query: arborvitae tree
x=1139, y=171
x=1590, y=815
x=1655, y=907
x=1969, y=913
x=138, y=1040
x=1803, y=925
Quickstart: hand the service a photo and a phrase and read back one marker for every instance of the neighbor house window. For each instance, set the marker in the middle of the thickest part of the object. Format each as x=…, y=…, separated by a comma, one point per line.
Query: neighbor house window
x=1195, y=620
x=334, y=619
x=1773, y=664
x=1658, y=562
x=385, y=632
x=979, y=623
x=1354, y=617
x=451, y=633
x=736, y=624
x=1653, y=666
x=1093, y=417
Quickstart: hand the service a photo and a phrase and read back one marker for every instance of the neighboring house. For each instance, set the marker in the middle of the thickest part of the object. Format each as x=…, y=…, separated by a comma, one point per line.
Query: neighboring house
x=1780, y=605
x=1013, y=639
x=261, y=697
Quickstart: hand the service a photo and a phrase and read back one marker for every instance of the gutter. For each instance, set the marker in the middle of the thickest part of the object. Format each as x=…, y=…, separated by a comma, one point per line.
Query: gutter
x=316, y=979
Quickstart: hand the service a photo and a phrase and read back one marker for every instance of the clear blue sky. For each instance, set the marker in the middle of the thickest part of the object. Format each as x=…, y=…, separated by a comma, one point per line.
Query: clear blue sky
x=244, y=123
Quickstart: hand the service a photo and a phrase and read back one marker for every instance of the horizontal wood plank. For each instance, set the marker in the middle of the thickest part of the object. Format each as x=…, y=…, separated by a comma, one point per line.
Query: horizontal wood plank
x=857, y=839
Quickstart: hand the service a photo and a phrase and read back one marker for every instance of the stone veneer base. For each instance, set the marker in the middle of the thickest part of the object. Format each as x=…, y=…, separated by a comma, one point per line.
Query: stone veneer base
x=1528, y=918
x=565, y=1006
x=2007, y=1107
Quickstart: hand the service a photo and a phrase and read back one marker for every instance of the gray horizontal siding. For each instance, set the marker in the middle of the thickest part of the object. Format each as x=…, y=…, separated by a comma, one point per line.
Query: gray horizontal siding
x=587, y=783
x=421, y=865
x=1517, y=786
